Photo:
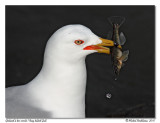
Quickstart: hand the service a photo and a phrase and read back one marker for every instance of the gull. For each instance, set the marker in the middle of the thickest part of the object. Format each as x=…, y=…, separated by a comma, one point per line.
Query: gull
x=58, y=91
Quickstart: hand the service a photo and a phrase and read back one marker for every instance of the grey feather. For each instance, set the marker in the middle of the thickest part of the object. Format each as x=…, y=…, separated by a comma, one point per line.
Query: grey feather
x=122, y=39
x=19, y=105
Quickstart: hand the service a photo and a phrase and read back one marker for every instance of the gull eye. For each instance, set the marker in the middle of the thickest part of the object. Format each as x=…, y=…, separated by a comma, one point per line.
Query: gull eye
x=78, y=42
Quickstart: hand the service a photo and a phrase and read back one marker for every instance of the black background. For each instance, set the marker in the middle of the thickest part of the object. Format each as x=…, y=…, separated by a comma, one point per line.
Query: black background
x=133, y=95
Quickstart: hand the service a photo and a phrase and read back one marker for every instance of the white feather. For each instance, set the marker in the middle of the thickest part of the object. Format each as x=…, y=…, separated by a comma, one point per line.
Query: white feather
x=59, y=88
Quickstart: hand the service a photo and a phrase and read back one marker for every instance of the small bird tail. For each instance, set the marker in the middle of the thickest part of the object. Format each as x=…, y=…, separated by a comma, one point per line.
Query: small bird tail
x=116, y=20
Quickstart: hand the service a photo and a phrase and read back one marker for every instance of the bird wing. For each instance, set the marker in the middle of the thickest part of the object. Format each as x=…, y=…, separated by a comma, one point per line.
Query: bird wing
x=17, y=108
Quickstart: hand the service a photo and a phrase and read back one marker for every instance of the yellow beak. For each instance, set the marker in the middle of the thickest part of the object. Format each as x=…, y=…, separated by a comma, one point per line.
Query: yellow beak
x=101, y=47
x=106, y=42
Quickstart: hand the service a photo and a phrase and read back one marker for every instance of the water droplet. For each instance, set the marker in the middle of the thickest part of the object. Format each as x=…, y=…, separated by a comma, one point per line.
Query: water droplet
x=108, y=95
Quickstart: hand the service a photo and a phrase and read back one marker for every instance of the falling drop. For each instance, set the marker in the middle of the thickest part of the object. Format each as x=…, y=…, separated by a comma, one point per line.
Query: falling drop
x=108, y=95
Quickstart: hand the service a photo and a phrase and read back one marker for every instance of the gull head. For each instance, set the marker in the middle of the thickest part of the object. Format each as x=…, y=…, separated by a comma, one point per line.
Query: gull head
x=75, y=42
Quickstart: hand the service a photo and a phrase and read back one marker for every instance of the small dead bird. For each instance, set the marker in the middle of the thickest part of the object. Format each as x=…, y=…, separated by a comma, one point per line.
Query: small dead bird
x=118, y=57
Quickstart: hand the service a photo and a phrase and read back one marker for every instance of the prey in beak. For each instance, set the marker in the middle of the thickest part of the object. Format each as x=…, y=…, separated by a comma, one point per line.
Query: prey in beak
x=102, y=47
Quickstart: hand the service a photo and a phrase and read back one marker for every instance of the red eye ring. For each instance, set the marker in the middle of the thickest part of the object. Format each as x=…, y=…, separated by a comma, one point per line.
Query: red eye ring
x=78, y=42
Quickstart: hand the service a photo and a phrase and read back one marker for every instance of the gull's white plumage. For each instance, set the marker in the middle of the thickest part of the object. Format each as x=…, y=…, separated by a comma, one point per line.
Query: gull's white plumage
x=58, y=91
